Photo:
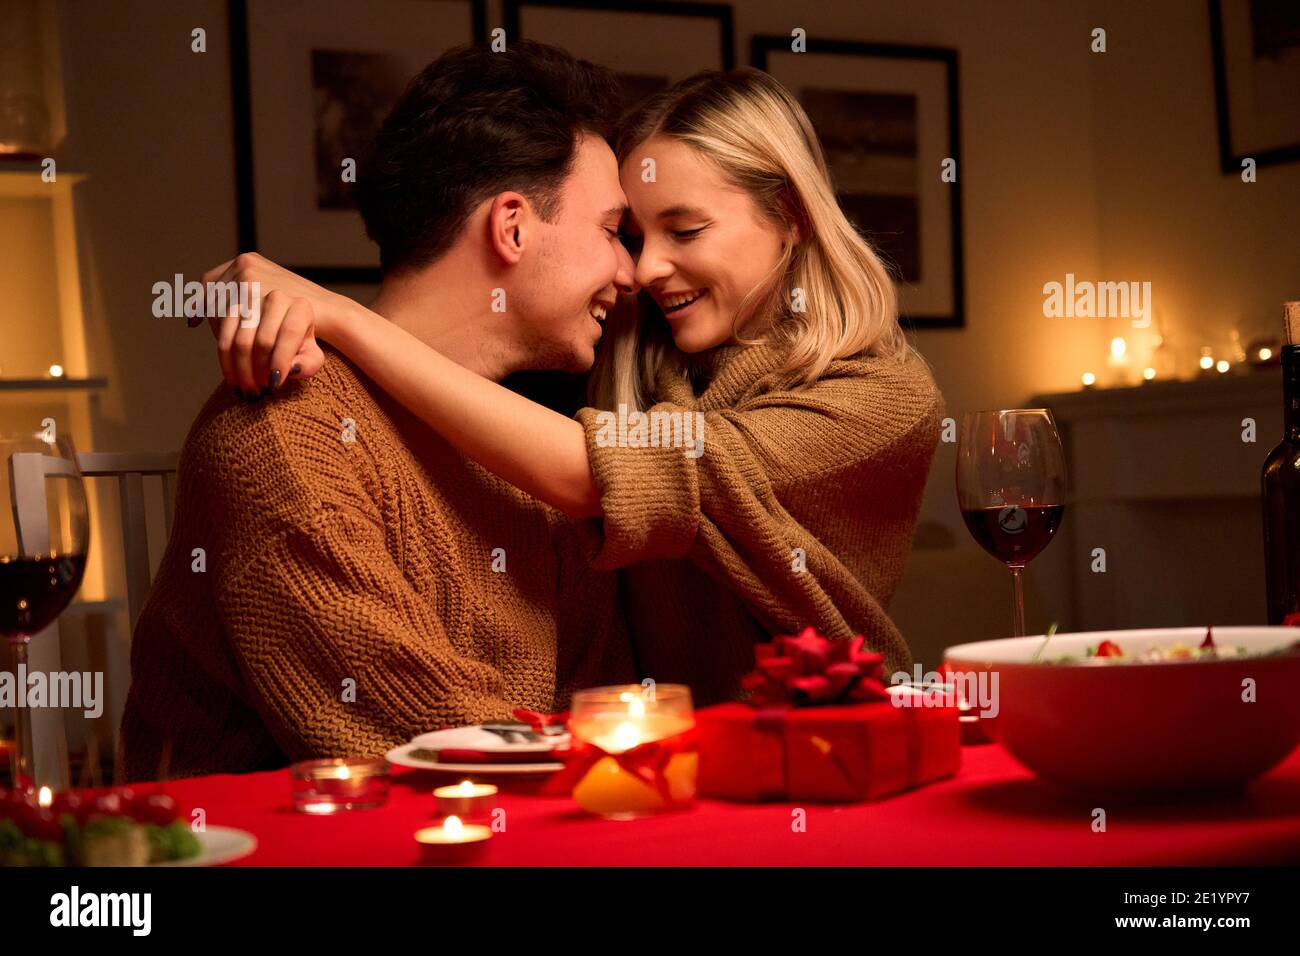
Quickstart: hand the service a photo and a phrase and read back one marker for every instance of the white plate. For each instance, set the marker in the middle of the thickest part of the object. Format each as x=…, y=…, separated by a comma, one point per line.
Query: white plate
x=400, y=757
x=476, y=738
x=218, y=845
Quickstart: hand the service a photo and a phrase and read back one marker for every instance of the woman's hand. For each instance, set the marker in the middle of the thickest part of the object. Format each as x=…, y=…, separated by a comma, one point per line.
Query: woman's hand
x=278, y=341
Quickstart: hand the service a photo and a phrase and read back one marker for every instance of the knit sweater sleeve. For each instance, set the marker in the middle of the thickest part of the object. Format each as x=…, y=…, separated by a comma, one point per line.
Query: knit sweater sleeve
x=728, y=507
x=339, y=652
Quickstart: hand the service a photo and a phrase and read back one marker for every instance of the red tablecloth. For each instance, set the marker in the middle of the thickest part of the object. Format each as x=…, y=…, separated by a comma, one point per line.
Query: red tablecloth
x=993, y=813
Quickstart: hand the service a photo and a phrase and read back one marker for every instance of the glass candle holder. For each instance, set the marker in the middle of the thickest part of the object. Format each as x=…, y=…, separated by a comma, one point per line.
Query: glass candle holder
x=638, y=744
x=334, y=784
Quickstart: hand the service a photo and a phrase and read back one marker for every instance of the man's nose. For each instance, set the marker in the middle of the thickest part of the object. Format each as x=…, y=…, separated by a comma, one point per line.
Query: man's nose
x=625, y=276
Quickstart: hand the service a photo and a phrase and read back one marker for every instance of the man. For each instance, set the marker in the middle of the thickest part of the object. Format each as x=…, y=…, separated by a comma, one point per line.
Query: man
x=338, y=578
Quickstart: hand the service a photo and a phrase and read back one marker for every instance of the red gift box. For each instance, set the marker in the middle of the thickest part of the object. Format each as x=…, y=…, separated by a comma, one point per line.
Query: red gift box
x=822, y=727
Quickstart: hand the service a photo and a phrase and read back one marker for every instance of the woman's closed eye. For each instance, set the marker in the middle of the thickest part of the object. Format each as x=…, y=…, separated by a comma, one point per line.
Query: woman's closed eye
x=688, y=234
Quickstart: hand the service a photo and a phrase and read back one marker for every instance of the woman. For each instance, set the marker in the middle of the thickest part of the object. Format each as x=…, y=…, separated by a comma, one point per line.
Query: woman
x=767, y=328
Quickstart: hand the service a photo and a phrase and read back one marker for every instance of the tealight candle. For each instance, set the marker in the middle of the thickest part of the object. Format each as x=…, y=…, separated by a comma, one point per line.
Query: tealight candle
x=454, y=843
x=465, y=799
x=339, y=783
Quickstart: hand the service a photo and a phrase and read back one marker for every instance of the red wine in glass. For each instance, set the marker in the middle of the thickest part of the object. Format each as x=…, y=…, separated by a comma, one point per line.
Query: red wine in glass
x=1011, y=488
x=34, y=591
x=1012, y=534
x=44, y=538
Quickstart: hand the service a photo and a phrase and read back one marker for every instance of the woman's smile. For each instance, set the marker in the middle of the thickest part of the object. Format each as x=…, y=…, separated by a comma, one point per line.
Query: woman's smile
x=676, y=305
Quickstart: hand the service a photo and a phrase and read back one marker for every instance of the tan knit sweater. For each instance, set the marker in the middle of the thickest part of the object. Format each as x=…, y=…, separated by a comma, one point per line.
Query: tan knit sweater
x=335, y=566
x=800, y=511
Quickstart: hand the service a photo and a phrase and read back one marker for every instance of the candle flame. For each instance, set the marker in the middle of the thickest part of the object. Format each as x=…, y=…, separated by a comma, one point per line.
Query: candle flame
x=636, y=708
x=626, y=736
x=1118, y=347
x=45, y=797
x=453, y=828
x=1265, y=354
x=342, y=773
x=466, y=788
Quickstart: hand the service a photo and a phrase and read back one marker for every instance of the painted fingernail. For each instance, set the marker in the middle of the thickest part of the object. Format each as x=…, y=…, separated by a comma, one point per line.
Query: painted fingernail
x=275, y=379
x=297, y=367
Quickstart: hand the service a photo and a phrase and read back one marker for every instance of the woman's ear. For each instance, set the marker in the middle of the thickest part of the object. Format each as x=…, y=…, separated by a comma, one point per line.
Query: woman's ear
x=508, y=230
x=797, y=226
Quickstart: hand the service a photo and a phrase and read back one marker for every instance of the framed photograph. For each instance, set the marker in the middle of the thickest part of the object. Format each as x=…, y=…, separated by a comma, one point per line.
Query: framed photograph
x=1256, y=49
x=313, y=80
x=649, y=45
x=888, y=120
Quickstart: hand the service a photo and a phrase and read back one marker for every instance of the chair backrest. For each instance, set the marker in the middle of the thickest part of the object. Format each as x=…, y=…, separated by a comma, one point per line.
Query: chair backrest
x=29, y=471
x=130, y=469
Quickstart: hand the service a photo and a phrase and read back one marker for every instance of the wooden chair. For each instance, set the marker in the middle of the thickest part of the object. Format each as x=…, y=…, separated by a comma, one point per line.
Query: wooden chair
x=29, y=471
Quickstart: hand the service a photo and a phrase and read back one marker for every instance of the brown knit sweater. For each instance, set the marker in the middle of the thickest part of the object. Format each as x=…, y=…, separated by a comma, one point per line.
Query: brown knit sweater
x=835, y=470
x=371, y=561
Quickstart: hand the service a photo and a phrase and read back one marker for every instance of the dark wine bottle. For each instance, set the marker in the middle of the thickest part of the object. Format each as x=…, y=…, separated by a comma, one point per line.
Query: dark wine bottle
x=1280, y=483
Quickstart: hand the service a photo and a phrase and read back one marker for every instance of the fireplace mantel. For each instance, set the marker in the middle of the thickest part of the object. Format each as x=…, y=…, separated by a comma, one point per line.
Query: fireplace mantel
x=1162, y=480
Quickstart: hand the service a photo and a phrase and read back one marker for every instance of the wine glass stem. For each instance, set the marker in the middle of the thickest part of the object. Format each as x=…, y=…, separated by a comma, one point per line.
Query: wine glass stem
x=20, y=770
x=1018, y=602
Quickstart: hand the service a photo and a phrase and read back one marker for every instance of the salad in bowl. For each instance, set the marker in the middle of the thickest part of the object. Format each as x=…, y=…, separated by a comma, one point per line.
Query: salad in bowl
x=1155, y=711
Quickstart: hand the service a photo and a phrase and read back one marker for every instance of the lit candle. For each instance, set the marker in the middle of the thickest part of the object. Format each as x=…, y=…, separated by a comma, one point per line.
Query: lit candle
x=1089, y=379
x=465, y=799
x=1118, y=361
x=45, y=797
x=1222, y=365
x=1148, y=373
x=453, y=843
x=344, y=783
x=617, y=721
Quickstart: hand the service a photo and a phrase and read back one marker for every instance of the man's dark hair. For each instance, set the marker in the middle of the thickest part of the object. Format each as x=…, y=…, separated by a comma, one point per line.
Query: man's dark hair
x=473, y=124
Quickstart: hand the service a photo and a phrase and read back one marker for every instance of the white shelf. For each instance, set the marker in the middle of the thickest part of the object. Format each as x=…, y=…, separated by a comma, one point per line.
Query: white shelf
x=25, y=182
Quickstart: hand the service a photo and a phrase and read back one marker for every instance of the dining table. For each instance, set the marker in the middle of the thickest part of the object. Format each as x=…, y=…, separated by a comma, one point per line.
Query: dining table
x=993, y=812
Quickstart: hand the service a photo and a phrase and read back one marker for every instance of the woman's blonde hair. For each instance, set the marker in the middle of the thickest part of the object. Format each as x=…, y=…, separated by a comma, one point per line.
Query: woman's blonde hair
x=758, y=135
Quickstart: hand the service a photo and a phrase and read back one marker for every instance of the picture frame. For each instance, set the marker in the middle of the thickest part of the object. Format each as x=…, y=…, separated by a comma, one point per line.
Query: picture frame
x=689, y=36
x=1256, y=51
x=311, y=81
x=888, y=116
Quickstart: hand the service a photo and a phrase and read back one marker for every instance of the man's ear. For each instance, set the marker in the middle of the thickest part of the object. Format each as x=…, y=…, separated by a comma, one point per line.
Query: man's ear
x=509, y=221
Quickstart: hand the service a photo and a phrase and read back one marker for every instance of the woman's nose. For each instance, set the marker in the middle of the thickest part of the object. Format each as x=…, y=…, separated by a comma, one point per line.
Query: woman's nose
x=651, y=267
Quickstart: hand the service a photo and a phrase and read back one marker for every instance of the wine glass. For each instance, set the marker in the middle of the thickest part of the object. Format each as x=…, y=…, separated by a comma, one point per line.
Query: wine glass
x=44, y=534
x=1011, y=488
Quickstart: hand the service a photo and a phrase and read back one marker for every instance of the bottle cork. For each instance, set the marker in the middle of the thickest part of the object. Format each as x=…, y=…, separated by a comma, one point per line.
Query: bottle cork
x=1291, y=322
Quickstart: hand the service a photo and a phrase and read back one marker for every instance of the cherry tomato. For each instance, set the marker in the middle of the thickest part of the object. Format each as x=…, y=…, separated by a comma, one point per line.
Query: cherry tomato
x=156, y=808
x=42, y=824
x=1108, y=649
x=108, y=804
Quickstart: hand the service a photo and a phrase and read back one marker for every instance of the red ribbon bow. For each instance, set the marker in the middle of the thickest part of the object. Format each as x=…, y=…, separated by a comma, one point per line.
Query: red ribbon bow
x=810, y=669
x=648, y=762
